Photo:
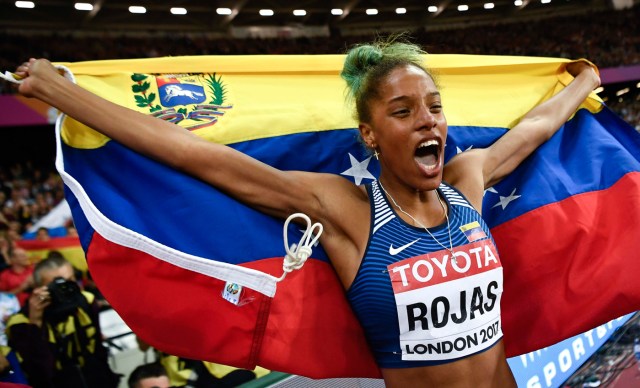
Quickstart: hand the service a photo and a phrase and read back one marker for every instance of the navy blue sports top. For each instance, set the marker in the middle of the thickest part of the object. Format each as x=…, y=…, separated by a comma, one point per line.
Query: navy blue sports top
x=418, y=305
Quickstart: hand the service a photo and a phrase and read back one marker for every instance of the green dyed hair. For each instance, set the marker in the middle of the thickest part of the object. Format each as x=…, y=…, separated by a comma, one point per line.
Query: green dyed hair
x=367, y=65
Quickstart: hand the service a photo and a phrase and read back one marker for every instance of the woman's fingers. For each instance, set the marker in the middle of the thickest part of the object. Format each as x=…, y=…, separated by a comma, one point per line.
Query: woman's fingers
x=23, y=69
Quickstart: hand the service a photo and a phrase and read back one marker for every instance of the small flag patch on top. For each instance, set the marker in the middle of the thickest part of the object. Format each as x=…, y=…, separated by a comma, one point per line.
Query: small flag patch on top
x=473, y=231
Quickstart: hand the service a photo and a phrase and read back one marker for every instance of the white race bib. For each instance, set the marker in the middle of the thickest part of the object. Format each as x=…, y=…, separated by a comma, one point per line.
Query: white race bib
x=448, y=308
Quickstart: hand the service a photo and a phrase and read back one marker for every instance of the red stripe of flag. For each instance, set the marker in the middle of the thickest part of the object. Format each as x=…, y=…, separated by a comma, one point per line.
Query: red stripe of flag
x=277, y=333
x=593, y=276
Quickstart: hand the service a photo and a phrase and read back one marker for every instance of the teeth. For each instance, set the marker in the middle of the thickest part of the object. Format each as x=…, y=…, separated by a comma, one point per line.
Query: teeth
x=428, y=162
x=428, y=143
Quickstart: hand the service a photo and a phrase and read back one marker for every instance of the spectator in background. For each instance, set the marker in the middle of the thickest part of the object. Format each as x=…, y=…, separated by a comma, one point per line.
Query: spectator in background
x=3, y=220
x=636, y=351
x=5, y=246
x=13, y=233
x=187, y=373
x=151, y=375
x=42, y=234
x=71, y=231
x=57, y=334
x=27, y=193
x=9, y=305
x=10, y=370
x=17, y=279
x=78, y=276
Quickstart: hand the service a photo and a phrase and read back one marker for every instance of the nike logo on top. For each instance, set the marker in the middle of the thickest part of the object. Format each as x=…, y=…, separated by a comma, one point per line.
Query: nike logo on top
x=394, y=251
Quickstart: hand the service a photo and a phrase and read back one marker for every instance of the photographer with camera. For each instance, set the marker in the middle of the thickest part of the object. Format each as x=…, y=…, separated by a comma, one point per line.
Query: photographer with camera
x=17, y=279
x=57, y=334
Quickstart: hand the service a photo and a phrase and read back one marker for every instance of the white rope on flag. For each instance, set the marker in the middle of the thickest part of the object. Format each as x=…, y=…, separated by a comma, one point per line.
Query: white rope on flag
x=297, y=254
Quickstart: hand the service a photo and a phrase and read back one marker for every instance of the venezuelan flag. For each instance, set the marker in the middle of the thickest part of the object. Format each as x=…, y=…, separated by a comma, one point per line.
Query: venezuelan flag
x=473, y=231
x=166, y=249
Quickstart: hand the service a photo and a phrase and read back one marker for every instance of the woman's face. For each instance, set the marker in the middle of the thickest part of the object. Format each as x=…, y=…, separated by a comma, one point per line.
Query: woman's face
x=408, y=128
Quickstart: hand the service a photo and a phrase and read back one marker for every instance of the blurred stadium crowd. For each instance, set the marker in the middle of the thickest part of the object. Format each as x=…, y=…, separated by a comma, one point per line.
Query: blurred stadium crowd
x=607, y=38
x=27, y=193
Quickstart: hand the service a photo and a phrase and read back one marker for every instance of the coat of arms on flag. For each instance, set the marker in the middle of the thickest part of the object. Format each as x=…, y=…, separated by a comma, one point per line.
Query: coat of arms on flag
x=192, y=101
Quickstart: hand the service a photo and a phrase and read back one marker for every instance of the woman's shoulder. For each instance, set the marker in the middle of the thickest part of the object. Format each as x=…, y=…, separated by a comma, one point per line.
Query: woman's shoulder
x=338, y=187
x=464, y=172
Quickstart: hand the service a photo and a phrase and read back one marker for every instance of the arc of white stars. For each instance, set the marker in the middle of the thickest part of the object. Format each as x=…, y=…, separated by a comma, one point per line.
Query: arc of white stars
x=505, y=201
x=315, y=244
x=358, y=170
x=490, y=190
x=459, y=150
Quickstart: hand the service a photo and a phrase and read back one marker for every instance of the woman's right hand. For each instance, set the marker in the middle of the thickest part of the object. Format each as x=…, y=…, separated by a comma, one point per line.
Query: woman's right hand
x=35, y=74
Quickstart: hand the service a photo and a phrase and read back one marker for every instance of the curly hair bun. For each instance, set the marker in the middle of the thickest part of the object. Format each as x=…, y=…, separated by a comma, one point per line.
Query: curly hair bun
x=358, y=62
x=366, y=65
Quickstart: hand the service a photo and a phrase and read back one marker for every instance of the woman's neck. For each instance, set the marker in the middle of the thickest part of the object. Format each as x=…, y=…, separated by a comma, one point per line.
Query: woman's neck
x=421, y=208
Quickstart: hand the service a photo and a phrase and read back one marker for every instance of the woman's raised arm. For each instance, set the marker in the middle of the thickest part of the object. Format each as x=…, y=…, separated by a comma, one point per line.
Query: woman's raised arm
x=535, y=128
x=246, y=179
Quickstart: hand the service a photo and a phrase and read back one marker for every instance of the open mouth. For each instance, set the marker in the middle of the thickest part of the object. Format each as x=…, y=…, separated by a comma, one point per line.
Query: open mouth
x=428, y=154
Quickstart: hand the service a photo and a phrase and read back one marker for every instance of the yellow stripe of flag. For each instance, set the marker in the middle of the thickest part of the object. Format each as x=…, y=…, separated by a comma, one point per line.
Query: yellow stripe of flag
x=279, y=95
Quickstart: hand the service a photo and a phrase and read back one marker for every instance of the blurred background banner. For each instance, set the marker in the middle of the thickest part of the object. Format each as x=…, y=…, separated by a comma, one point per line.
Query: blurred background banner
x=553, y=365
x=68, y=246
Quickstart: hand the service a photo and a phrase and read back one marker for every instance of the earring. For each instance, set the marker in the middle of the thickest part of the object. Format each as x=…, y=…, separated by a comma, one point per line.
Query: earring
x=376, y=154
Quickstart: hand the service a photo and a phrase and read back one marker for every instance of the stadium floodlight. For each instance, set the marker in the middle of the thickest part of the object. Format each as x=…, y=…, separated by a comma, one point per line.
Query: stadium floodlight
x=25, y=4
x=137, y=9
x=463, y=7
x=401, y=11
x=178, y=11
x=83, y=6
x=299, y=12
x=489, y=5
x=622, y=91
x=432, y=9
x=372, y=11
x=266, y=12
x=545, y=1
x=223, y=11
x=517, y=3
x=336, y=11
